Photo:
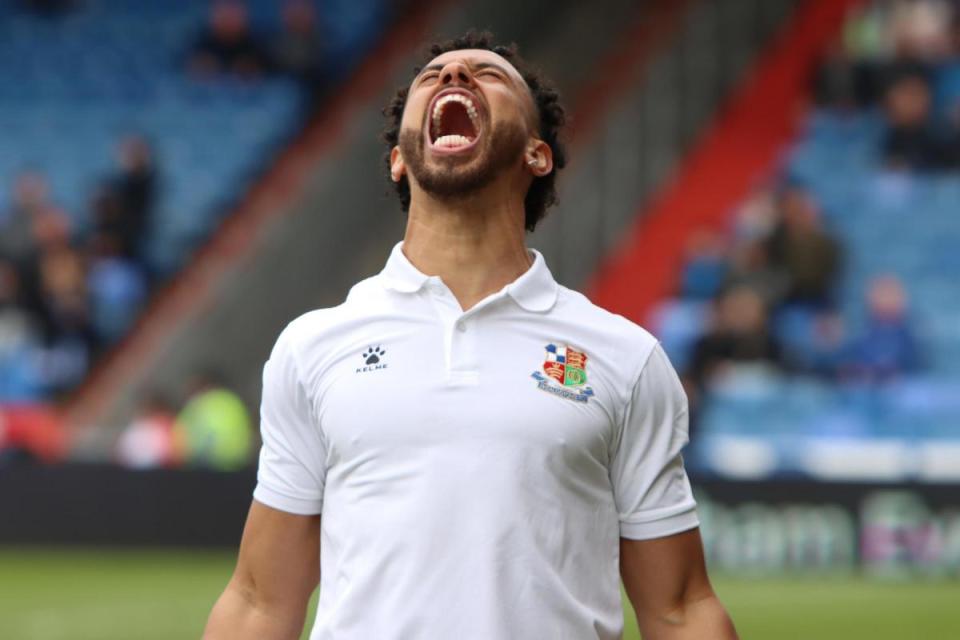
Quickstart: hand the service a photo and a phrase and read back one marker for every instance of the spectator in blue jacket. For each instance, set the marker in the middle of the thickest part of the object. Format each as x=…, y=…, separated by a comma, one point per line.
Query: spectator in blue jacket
x=887, y=346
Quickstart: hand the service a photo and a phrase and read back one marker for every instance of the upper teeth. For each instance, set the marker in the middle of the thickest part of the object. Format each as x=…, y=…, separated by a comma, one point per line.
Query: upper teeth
x=454, y=97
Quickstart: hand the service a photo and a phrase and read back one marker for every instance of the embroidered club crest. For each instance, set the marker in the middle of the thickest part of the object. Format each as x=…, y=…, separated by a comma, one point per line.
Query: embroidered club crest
x=566, y=373
x=566, y=365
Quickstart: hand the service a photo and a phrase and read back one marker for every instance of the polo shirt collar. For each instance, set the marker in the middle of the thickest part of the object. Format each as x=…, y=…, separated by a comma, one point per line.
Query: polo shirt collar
x=535, y=290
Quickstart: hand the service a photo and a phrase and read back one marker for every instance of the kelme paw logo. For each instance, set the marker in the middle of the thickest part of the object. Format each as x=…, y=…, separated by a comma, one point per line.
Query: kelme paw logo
x=373, y=354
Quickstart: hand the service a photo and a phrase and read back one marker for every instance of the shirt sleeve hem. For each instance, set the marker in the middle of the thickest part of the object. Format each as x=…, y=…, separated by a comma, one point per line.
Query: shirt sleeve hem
x=661, y=527
x=276, y=500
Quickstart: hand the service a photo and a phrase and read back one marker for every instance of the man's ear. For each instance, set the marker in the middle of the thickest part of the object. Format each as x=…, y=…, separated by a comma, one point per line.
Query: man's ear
x=397, y=167
x=539, y=158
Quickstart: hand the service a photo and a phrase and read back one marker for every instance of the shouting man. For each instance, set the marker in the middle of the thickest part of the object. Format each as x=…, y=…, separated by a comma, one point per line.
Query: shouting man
x=465, y=449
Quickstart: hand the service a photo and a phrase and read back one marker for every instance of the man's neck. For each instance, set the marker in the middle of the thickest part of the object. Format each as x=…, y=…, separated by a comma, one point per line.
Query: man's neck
x=476, y=247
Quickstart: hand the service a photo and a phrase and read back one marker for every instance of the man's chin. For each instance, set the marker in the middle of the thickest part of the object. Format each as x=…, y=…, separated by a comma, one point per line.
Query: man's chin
x=451, y=175
x=449, y=182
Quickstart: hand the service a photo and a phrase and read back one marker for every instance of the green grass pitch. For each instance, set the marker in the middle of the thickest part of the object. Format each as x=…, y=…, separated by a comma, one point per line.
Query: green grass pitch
x=164, y=595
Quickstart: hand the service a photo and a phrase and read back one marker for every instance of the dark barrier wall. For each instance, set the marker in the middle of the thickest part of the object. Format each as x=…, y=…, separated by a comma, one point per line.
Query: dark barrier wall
x=809, y=527
x=106, y=505
x=747, y=526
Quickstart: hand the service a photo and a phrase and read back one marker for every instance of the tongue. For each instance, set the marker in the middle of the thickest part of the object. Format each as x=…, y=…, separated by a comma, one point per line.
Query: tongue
x=454, y=121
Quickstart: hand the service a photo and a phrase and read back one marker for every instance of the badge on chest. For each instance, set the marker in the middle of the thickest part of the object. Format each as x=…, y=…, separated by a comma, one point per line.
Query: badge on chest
x=564, y=373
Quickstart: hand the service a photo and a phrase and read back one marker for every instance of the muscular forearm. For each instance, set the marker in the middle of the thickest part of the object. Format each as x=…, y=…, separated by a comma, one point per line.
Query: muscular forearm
x=701, y=619
x=238, y=615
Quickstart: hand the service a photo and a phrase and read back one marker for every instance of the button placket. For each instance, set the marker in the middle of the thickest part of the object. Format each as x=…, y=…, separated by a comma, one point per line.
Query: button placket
x=457, y=354
x=464, y=364
x=460, y=332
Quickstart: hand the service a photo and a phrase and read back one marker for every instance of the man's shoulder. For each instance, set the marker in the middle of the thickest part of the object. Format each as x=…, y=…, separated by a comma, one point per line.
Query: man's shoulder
x=578, y=306
x=326, y=323
x=612, y=330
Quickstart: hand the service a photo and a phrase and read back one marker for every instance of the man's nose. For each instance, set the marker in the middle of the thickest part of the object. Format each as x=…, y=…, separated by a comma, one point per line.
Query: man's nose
x=456, y=73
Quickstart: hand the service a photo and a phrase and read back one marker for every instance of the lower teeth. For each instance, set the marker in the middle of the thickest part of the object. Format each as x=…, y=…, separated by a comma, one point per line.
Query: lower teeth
x=452, y=140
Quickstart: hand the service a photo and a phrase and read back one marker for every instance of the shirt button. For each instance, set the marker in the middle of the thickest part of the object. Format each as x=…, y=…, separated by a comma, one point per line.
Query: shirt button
x=461, y=326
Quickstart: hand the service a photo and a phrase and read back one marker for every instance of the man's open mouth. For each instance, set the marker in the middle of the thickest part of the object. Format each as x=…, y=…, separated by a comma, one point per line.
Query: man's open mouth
x=454, y=122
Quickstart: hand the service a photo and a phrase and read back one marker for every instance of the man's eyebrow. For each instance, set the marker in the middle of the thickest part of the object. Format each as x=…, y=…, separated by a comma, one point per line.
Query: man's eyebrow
x=474, y=67
x=431, y=67
x=493, y=65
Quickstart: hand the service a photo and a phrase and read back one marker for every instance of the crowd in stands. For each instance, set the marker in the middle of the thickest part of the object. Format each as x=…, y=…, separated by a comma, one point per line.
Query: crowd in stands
x=65, y=294
x=195, y=97
x=902, y=56
x=72, y=283
x=767, y=293
x=229, y=46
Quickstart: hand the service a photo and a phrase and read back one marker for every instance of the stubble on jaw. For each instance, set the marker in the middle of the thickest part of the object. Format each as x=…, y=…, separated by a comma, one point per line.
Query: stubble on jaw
x=451, y=177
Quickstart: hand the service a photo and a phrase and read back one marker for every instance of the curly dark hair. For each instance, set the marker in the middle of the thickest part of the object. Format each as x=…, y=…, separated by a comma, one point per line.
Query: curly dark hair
x=542, y=193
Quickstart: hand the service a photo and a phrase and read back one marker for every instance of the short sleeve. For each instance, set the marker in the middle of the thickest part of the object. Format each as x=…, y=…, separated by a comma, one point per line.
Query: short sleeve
x=292, y=467
x=651, y=489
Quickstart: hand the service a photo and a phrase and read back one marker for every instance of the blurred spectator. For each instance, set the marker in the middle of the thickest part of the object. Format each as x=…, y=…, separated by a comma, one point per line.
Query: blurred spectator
x=843, y=82
x=750, y=267
x=18, y=335
x=50, y=232
x=36, y=226
x=31, y=433
x=135, y=189
x=12, y=316
x=228, y=46
x=107, y=214
x=911, y=141
x=947, y=87
x=887, y=346
x=947, y=93
x=865, y=32
x=920, y=30
x=738, y=334
x=298, y=49
x=215, y=427
x=812, y=341
x=49, y=7
x=69, y=340
x=18, y=225
x=800, y=247
x=117, y=288
x=150, y=441
x=904, y=55
x=757, y=217
x=706, y=265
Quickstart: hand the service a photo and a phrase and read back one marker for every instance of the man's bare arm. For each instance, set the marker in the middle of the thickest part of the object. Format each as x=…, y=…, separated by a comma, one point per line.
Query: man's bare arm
x=276, y=573
x=666, y=581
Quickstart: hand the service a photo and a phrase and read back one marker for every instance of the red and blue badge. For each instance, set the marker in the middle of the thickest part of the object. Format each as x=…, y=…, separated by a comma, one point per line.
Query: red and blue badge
x=566, y=373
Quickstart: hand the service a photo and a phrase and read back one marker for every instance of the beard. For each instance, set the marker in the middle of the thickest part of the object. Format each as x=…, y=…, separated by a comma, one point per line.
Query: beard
x=452, y=177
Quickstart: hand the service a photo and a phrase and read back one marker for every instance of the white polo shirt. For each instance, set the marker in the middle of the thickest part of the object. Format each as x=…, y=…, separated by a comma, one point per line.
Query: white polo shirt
x=475, y=470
